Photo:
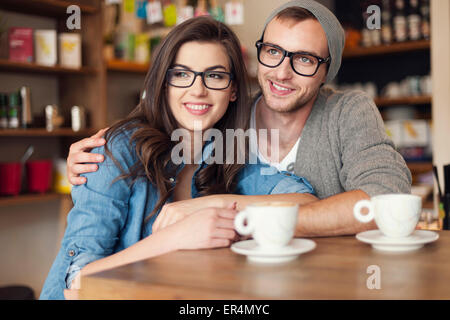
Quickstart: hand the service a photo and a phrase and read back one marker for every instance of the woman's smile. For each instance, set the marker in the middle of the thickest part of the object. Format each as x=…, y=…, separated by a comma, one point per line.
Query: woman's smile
x=197, y=108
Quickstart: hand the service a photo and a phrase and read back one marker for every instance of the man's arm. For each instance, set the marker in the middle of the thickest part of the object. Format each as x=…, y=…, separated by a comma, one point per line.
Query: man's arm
x=332, y=216
x=370, y=165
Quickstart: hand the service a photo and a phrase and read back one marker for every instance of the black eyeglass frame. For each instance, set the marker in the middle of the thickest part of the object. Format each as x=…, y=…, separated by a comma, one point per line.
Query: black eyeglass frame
x=202, y=76
x=259, y=44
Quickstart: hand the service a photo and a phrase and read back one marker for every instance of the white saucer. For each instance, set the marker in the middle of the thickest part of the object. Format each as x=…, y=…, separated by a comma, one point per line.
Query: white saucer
x=413, y=242
x=254, y=253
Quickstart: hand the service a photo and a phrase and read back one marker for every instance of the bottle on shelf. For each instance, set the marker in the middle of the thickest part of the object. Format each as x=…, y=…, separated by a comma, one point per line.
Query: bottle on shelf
x=414, y=21
x=386, y=25
x=216, y=11
x=13, y=111
x=3, y=111
x=376, y=33
x=369, y=36
x=184, y=11
x=425, y=23
x=201, y=9
x=25, y=97
x=400, y=22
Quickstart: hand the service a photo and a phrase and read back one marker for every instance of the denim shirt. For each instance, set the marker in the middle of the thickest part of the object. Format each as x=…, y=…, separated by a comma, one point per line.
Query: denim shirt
x=108, y=215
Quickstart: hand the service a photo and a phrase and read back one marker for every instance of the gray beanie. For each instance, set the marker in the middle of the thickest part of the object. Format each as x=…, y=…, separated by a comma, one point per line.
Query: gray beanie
x=330, y=24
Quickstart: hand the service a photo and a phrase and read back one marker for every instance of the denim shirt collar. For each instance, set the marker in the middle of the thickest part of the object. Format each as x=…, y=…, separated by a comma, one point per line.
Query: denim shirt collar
x=207, y=150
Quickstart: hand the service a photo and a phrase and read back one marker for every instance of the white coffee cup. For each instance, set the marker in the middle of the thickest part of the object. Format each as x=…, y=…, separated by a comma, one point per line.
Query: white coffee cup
x=272, y=224
x=396, y=215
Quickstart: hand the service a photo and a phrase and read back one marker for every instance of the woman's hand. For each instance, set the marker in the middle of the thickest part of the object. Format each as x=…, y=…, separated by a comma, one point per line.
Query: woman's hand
x=79, y=155
x=71, y=294
x=176, y=211
x=206, y=228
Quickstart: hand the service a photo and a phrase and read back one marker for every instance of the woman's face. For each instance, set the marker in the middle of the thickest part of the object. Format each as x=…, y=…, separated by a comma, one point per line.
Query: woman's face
x=197, y=103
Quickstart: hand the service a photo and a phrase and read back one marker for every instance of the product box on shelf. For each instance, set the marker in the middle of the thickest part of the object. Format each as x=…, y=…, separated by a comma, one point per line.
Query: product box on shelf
x=46, y=47
x=20, y=42
x=70, y=50
x=409, y=133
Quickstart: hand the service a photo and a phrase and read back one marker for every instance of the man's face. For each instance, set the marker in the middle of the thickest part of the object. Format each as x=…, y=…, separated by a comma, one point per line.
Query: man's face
x=283, y=89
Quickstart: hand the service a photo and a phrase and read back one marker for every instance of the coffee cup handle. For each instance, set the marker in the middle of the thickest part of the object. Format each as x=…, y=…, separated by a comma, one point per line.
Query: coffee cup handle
x=357, y=211
x=239, y=223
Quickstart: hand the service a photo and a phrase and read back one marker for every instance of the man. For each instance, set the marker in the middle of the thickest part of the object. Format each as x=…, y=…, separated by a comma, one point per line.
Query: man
x=334, y=139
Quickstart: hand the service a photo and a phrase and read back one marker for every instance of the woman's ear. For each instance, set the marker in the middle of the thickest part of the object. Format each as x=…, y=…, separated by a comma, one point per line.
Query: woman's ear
x=233, y=97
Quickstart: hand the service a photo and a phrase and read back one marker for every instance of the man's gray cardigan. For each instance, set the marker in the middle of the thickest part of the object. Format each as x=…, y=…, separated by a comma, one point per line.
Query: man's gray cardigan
x=344, y=146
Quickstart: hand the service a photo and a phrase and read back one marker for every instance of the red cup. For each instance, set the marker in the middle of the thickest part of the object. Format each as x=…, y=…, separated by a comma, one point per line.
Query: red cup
x=39, y=175
x=10, y=178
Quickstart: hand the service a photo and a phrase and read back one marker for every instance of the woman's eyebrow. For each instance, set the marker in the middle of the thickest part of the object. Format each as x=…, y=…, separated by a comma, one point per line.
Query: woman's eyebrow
x=209, y=68
x=181, y=66
x=216, y=67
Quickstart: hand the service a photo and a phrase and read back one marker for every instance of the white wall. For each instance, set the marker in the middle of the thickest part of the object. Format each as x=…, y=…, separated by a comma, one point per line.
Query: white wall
x=440, y=72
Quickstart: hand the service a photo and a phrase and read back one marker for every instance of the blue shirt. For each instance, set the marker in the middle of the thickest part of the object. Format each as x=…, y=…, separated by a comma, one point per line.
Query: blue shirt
x=108, y=215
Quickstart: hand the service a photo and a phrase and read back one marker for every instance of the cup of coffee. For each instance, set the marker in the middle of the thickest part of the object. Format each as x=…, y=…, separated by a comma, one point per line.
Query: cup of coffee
x=272, y=224
x=396, y=215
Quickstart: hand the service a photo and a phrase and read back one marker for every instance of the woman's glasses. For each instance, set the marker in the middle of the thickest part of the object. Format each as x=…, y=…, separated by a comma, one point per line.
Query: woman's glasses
x=184, y=78
x=303, y=63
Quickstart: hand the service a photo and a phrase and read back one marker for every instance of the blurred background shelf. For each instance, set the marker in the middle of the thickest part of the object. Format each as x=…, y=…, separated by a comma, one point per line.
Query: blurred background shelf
x=12, y=66
x=387, y=49
x=42, y=132
x=385, y=102
x=49, y=8
x=126, y=66
x=30, y=198
x=420, y=167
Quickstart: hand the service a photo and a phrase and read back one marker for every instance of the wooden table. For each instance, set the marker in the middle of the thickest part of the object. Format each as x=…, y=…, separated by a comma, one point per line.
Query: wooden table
x=336, y=269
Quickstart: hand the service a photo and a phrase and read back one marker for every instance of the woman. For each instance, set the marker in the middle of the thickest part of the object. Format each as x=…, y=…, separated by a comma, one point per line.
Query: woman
x=196, y=82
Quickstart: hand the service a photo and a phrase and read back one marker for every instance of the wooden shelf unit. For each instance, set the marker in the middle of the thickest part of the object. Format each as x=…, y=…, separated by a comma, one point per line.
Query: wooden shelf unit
x=386, y=102
x=127, y=66
x=85, y=86
x=29, y=198
x=42, y=132
x=420, y=167
x=48, y=8
x=13, y=66
x=400, y=47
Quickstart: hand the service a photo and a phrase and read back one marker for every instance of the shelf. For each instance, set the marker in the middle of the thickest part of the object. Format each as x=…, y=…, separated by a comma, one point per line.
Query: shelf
x=428, y=205
x=385, y=102
x=42, y=132
x=12, y=66
x=420, y=167
x=126, y=66
x=29, y=198
x=387, y=49
x=48, y=8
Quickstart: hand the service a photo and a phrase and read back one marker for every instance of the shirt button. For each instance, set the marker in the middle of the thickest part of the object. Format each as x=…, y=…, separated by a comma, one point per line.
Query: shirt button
x=172, y=180
x=71, y=253
x=290, y=167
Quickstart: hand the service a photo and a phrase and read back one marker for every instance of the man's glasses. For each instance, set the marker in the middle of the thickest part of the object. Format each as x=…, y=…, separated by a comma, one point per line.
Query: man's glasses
x=184, y=78
x=303, y=63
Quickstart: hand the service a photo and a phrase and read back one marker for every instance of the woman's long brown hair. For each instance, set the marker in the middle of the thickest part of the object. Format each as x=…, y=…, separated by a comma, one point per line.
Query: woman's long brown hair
x=153, y=121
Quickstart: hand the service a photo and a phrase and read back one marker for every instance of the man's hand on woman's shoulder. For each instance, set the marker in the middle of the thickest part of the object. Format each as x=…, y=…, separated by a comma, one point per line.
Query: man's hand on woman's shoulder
x=80, y=160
